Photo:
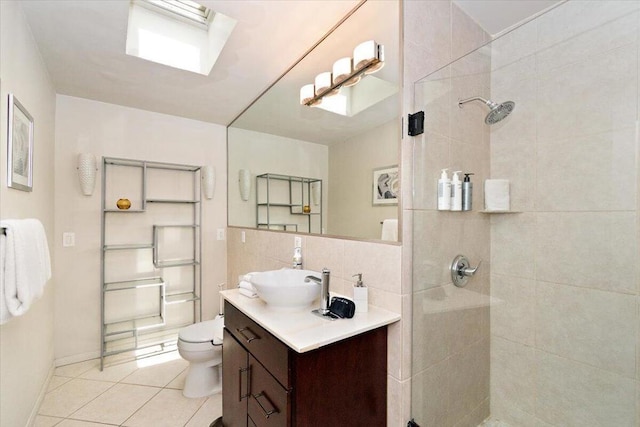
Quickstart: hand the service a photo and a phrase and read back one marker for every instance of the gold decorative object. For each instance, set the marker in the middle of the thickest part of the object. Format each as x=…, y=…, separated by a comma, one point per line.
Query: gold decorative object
x=123, y=204
x=306, y=209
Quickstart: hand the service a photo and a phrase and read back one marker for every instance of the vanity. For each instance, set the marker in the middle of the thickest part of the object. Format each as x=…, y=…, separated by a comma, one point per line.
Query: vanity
x=297, y=369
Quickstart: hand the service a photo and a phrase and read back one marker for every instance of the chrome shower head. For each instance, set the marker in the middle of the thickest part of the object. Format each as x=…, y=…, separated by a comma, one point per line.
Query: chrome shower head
x=498, y=111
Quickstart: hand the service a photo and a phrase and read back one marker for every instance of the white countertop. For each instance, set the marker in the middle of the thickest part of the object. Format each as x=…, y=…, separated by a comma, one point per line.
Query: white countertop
x=304, y=331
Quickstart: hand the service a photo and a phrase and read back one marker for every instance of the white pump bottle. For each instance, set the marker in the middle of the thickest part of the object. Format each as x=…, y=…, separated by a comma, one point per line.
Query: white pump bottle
x=444, y=192
x=456, y=192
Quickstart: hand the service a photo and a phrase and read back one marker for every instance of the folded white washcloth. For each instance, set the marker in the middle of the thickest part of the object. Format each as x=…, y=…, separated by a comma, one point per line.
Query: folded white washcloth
x=247, y=293
x=246, y=285
x=246, y=277
x=496, y=195
x=390, y=230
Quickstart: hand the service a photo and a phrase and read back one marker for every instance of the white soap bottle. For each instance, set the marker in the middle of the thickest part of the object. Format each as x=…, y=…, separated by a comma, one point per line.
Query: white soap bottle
x=456, y=192
x=360, y=295
x=444, y=192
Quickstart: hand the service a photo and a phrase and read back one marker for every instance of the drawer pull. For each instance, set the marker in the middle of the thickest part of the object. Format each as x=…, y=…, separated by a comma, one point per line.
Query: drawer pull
x=242, y=371
x=267, y=413
x=244, y=335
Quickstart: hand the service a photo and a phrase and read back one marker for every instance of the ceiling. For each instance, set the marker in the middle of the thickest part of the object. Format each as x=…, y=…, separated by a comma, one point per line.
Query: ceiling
x=495, y=16
x=83, y=43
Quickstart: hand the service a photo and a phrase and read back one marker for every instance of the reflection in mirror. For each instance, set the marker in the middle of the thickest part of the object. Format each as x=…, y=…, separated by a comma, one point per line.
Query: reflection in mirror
x=315, y=169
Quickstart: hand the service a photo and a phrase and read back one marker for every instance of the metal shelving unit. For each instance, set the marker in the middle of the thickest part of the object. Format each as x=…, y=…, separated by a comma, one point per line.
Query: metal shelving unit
x=147, y=270
x=280, y=200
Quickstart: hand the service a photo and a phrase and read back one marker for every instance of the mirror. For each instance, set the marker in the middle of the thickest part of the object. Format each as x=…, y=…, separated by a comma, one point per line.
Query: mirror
x=305, y=169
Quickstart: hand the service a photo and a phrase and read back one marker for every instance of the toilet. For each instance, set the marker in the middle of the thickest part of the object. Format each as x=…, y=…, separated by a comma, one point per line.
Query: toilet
x=200, y=344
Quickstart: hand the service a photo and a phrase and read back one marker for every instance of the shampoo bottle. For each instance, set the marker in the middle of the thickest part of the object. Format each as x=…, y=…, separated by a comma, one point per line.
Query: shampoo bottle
x=456, y=192
x=444, y=192
x=467, y=193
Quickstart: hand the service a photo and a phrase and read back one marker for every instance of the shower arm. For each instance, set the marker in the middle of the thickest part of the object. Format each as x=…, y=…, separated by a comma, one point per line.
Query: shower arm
x=475, y=98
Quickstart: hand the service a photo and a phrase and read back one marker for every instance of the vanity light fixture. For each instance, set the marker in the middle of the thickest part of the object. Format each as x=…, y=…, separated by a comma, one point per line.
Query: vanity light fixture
x=87, y=168
x=368, y=57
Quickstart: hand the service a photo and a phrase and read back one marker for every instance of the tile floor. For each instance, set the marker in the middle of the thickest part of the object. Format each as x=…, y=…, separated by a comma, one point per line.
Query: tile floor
x=142, y=393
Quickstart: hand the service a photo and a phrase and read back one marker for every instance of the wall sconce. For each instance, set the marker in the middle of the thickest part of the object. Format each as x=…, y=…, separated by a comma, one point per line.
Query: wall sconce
x=368, y=57
x=87, y=168
x=208, y=174
x=244, y=179
x=315, y=193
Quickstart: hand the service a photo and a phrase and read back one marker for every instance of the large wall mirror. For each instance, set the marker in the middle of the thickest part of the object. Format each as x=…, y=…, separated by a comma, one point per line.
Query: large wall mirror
x=328, y=169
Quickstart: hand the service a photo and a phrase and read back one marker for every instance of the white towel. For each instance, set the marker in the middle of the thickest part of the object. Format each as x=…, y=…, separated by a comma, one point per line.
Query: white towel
x=26, y=266
x=496, y=195
x=247, y=289
x=390, y=230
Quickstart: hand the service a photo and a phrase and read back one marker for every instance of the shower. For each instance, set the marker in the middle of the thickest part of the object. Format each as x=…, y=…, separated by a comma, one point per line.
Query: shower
x=498, y=111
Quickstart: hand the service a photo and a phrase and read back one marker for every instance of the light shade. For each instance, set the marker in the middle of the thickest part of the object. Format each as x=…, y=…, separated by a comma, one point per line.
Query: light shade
x=208, y=174
x=87, y=168
x=324, y=82
x=244, y=180
x=307, y=93
x=366, y=53
x=342, y=69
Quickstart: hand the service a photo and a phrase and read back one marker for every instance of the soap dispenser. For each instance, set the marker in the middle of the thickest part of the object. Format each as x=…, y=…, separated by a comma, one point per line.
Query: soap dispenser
x=444, y=191
x=456, y=192
x=467, y=193
x=360, y=295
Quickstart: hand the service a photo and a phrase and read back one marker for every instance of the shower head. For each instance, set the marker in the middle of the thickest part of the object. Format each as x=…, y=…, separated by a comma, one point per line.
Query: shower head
x=498, y=111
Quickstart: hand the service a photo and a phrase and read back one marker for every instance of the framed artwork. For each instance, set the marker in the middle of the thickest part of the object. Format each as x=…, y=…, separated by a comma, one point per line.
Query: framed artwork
x=19, y=146
x=386, y=186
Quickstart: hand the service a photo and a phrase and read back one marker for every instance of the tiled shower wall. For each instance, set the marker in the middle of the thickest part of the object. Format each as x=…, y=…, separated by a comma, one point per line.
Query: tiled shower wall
x=450, y=360
x=564, y=335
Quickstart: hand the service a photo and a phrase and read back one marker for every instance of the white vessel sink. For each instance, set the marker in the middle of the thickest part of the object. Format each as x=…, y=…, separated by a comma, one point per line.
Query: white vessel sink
x=286, y=289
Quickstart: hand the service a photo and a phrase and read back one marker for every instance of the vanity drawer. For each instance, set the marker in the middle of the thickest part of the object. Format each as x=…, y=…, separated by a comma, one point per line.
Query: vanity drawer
x=268, y=400
x=269, y=350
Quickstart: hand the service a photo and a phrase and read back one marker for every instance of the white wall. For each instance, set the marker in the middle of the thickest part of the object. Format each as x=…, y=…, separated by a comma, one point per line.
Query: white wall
x=115, y=131
x=26, y=342
x=351, y=163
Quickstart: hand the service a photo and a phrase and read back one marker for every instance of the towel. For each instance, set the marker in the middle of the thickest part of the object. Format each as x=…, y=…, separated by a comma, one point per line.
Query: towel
x=247, y=289
x=496, y=195
x=390, y=230
x=27, y=266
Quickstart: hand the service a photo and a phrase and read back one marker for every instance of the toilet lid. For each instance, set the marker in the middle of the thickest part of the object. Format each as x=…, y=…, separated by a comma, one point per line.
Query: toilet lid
x=203, y=331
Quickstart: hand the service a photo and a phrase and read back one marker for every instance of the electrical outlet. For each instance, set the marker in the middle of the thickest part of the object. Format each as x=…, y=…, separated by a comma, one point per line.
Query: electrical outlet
x=68, y=239
x=297, y=242
x=243, y=237
x=220, y=234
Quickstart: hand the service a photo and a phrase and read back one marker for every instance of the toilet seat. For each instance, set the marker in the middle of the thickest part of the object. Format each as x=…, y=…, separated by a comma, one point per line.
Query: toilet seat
x=203, y=332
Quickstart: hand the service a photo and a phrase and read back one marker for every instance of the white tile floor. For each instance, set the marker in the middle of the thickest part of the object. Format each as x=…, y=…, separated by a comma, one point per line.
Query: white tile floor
x=143, y=393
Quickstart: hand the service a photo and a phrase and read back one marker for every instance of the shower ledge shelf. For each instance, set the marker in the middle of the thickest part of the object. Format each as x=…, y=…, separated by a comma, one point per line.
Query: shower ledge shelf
x=500, y=212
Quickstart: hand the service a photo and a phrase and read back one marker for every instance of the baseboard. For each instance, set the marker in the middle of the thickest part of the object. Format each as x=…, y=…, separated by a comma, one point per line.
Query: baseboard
x=43, y=391
x=77, y=358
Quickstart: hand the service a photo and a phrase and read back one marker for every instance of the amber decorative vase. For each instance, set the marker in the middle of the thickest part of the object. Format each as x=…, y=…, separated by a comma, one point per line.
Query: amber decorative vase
x=123, y=204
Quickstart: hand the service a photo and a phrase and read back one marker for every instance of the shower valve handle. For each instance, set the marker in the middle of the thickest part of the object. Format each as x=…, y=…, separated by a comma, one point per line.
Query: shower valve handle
x=461, y=270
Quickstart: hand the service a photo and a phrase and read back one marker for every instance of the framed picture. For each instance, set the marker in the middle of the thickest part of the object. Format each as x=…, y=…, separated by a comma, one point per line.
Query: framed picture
x=386, y=186
x=19, y=146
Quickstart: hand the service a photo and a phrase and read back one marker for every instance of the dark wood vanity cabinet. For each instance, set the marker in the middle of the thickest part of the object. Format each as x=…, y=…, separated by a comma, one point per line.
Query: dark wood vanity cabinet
x=266, y=383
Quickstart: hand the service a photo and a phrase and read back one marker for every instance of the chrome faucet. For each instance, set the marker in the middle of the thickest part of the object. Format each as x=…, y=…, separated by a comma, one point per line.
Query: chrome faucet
x=297, y=258
x=324, y=291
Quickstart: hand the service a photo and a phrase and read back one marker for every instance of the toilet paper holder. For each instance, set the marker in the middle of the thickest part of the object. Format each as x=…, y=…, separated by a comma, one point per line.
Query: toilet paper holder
x=461, y=270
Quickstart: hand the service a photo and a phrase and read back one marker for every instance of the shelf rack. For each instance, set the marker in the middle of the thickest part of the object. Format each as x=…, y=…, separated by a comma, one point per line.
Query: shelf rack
x=157, y=331
x=297, y=193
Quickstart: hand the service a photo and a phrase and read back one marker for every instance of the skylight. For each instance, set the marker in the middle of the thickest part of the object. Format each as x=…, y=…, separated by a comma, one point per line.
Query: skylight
x=177, y=33
x=185, y=8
